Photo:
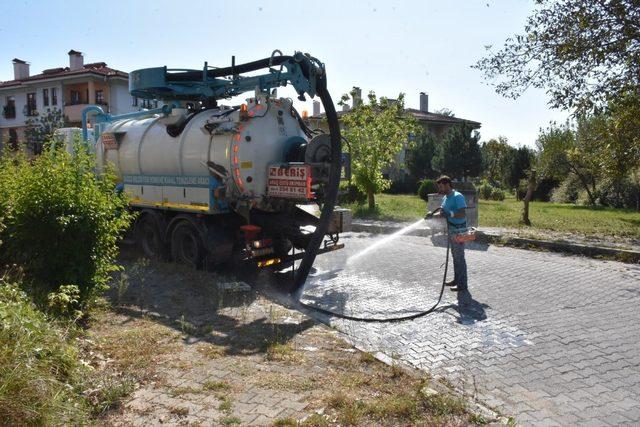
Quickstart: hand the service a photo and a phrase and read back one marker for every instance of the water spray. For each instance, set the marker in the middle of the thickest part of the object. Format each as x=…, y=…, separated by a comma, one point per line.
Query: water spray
x=385, y=240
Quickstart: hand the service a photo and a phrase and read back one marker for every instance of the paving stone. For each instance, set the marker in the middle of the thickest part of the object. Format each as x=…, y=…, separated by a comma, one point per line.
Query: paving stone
x=541, y=332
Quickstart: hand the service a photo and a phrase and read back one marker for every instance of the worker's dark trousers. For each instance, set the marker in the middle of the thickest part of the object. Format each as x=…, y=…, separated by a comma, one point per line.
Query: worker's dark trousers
x=459, y=264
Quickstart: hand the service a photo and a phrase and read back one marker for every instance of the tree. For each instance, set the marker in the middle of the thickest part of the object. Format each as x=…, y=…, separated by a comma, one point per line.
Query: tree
x=582, y=52
x=459, y=153
x=495, y=157
x=40, y=129
x=420, y=156
x=531, y=186
x=376, y=132
x=566, y=149
x=518, y=164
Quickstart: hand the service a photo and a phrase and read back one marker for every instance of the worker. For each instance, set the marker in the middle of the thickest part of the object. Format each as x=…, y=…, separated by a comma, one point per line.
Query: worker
x=453, y=209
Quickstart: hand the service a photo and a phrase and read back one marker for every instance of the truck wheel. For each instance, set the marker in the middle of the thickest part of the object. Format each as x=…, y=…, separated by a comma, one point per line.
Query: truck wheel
x=149, y=238
x=186, y=245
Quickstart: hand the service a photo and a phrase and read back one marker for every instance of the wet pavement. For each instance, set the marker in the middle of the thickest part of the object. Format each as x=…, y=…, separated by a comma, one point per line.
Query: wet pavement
x=551, y=339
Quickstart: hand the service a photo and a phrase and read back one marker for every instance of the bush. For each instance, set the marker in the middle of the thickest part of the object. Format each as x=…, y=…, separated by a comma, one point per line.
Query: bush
x=619, y=194
x=39, y=370
x=568, y=191
x=62, y=223
x=497, y=194
x=428, y=186
x=485, y=190
x=350, y=194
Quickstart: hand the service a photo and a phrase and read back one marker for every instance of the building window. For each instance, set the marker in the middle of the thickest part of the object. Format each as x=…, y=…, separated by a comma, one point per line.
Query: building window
x=54, y=96
x=135, y=101
x=32, y=107
x=9, y=110
x=75, y=97
x=100, y=97
x=45, y=97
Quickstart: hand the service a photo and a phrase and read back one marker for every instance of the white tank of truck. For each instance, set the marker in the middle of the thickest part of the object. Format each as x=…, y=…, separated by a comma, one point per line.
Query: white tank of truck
x=176, y=161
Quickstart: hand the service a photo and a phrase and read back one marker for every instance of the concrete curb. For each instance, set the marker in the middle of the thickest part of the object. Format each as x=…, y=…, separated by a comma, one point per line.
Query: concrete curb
x=623, y=255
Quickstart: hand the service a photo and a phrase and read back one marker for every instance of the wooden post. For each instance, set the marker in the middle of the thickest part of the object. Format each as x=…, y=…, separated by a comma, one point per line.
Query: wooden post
x=530, y=188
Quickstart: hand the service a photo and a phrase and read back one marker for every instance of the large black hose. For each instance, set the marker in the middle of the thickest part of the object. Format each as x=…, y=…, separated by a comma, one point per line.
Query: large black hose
x=230, y=71
x=331, y=189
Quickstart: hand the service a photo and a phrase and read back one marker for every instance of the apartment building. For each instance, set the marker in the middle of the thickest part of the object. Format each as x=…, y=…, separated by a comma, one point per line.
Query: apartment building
x=69, y=89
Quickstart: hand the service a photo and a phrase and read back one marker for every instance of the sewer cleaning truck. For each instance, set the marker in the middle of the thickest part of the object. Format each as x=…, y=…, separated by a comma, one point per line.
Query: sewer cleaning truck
x=215, y=184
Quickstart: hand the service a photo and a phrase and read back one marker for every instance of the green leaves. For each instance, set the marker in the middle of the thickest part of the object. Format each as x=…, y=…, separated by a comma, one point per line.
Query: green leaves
x=582, y=52
x=62, y=222
x=376, y=131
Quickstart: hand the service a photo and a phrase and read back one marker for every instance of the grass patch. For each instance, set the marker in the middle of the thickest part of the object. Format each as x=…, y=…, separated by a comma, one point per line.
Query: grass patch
x=286, y=422
x=134, y=349
x=179, y=411
x=181, y=391
x=225, y=404
x=560, y=217
x=231, y=420
x=277, y=351
x=216, y=385
x=211, y=351
x=41, y=377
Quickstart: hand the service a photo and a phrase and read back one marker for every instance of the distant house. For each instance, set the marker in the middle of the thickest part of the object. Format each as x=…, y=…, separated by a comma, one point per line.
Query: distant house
x=434, y=123
x=69, y=89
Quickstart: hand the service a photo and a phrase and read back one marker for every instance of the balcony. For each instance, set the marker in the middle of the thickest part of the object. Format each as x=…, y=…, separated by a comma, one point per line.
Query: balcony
x=73, y=111
x=9, y=112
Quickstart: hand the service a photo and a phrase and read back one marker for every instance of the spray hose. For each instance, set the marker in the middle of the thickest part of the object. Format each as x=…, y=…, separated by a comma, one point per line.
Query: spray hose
x=390, y=319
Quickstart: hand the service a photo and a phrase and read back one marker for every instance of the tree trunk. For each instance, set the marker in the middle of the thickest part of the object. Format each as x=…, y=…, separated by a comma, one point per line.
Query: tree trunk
x=530, y=188
x=372, y=200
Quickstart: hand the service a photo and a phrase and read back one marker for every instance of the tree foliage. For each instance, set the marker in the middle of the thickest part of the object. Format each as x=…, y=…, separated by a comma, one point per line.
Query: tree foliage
x=582, y=52
x=41, y=128
x=495, y=158
x=420, y=155
x=376, y=132
x=458, y=154
x=62, y=222
x=569, y=149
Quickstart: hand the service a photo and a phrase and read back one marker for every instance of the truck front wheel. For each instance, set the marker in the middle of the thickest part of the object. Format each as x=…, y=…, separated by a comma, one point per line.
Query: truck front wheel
x=186, y=245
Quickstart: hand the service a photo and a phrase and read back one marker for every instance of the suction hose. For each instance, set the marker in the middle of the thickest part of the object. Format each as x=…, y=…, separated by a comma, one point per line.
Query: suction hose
x=331, y=190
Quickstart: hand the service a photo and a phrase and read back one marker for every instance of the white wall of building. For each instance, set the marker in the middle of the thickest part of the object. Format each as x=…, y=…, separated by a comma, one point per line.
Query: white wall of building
x=121, y=100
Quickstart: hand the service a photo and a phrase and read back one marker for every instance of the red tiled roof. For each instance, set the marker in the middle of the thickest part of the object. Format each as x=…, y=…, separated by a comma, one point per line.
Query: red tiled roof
x=96, y=68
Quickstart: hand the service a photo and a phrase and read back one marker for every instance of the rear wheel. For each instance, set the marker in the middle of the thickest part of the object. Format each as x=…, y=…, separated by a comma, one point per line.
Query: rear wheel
x=186, y=245
x=149, y=238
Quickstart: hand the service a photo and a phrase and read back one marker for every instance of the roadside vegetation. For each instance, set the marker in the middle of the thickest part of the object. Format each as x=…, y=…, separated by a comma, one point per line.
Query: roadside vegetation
x=59, y=225
x=560, y=217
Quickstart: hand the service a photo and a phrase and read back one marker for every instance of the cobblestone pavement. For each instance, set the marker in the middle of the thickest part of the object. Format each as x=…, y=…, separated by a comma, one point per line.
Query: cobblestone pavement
x=552, y=339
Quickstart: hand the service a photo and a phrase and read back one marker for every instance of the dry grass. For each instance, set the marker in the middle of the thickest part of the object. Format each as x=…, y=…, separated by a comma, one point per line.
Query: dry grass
x=136, y=348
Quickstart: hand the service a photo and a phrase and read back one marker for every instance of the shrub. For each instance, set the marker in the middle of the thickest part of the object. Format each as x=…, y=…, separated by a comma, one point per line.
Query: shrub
x=62, y=223
x=350, y=194
x=497, y=194
x=485, y=190
x=568, y=191
x=39, y=370
x=428, y=186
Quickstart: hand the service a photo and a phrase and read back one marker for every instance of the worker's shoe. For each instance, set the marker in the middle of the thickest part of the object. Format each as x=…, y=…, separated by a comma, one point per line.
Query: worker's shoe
x=450, y=283
x=457, y=288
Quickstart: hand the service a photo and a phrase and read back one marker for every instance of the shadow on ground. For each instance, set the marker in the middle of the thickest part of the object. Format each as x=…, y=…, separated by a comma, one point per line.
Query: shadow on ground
x=195, y=304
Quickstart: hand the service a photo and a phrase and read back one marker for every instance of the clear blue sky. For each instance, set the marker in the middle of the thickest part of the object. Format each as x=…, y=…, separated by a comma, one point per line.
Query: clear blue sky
x=389, y=47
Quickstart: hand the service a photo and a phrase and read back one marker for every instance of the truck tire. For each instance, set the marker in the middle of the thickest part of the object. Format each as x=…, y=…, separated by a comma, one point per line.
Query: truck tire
x=186, y=245
x=149, y=237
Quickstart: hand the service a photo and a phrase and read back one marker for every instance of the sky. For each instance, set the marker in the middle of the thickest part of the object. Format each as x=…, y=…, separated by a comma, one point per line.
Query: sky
x=385, y=46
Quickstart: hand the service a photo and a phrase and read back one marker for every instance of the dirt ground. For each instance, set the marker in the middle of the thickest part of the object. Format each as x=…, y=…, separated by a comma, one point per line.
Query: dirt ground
x=202, y=349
